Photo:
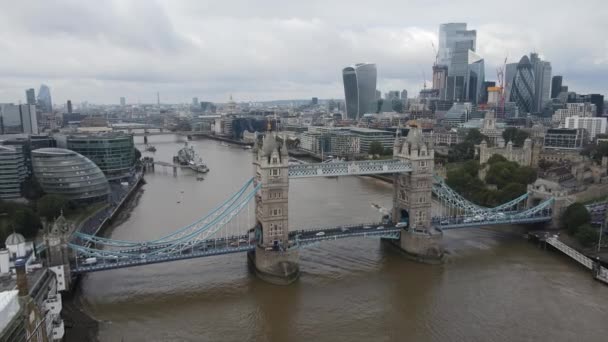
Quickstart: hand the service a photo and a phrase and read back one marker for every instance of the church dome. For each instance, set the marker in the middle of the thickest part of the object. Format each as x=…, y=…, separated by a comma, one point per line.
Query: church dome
x=14, y=239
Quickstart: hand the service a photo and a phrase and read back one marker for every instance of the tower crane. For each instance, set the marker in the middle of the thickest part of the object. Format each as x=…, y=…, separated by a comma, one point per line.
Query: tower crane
x=500, y=76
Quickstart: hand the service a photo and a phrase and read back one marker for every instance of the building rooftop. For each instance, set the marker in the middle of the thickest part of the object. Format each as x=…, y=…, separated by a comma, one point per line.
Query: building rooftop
x=368, y=130
x=53, y=151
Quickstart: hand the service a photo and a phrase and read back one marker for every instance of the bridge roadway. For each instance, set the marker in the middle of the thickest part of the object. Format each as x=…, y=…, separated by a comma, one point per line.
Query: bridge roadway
x=151, y=254
x=464, y=222
x=234, y=244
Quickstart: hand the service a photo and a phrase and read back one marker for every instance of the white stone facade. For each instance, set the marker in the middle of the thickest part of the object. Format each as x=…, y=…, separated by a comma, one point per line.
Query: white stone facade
x=522, y=156
x=593, y=125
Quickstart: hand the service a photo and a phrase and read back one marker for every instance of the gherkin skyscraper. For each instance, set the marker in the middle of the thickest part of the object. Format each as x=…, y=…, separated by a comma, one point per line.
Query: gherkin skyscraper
x=522, y=90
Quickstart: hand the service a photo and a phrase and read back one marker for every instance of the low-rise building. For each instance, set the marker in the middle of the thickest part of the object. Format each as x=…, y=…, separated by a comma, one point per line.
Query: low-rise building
x=113, y=153
x=30, y=302
x=458, y=114
x=573, y=109
x=565, y=138
x=593, y=125
x=367, y=136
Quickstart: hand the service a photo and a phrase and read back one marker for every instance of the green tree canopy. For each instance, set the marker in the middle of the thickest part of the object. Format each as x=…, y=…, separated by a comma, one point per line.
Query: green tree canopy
x=474, y=136
x=27, y=222
x=32, y=189
x=575, y=216
x=516, y=135
x=461, y=152
x=510, y=179
x=596, y=152
x=376, y=148
x=587, y=235
x=511, y=191
x=50, y=206
x=495, y=158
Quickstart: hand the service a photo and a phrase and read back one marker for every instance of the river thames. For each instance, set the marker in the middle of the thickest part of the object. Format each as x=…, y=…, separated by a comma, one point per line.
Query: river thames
x=494, y=285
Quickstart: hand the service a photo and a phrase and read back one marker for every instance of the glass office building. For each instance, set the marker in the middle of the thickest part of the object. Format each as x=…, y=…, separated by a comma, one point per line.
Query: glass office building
x=360, y=89
x=449, y=35
x=44, y=99
x=70, y=174
x=16, y=119
x=12, y=171
x=112, y=152
x=566, y=138
x=465, y=69
x=522, y=90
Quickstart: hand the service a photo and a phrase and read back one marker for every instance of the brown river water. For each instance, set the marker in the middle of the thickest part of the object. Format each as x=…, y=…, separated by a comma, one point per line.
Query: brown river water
x=494, y=285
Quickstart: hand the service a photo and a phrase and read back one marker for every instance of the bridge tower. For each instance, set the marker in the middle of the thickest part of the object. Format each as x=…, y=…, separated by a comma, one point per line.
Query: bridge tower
x=412, y=199
x=273, y=260
x=542, y=190
x=57, y=253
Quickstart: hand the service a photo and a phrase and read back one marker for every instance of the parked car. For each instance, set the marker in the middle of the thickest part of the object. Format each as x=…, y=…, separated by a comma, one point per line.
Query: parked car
x=320, y=234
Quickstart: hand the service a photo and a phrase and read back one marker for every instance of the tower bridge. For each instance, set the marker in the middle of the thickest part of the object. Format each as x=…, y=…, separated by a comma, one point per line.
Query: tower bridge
x=255, y=219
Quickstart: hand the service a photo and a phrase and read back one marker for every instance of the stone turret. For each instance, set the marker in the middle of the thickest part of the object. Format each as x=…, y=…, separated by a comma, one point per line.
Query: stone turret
x=273, y=259
x=412, y=200
x=57, y=252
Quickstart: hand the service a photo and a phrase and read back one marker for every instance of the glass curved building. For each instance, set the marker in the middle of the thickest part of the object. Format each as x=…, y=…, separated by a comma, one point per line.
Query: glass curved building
x=70, y=174
x=112, y=152
x=360, y=89
x=522, y=90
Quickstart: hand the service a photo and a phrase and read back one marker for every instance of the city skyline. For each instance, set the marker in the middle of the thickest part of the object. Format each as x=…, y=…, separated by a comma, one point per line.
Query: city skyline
x=293, y=52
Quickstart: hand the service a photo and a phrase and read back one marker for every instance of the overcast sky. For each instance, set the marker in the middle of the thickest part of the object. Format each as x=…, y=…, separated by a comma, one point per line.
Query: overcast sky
x=97, y=51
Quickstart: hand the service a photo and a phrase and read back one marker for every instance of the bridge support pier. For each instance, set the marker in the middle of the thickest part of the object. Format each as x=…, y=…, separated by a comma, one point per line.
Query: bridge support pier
x=275, y=267
x=422, y=247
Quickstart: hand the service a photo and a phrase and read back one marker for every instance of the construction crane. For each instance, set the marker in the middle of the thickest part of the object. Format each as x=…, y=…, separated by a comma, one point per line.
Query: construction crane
x=435, y=52
x=500, y=76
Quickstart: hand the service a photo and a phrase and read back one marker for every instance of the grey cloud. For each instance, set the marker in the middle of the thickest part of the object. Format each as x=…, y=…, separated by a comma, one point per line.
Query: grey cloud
x=98, y=51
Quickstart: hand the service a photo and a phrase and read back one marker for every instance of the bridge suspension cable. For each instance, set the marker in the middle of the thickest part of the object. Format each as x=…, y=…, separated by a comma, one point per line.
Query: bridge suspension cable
x=167, y=239
x=188, y=241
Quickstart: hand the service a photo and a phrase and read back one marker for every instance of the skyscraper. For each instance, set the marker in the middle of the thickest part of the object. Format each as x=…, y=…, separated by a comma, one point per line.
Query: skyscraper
x=449, y=35
x=465, y=69
x=542, y=82
x=15, y=119
x=123, y=101
x=44, y=99
x=556, y=86
x=440, y=74
x=30, y=96
x=69, y=107
x=359, y=89
x=522, y=91
x=510, y=71
x=195, y=102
